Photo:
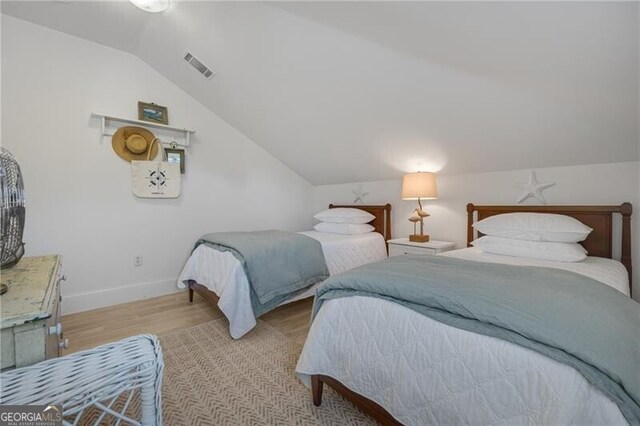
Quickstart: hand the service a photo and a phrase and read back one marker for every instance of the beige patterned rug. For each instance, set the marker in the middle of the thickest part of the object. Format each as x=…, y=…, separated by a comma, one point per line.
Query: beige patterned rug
x=211, y=379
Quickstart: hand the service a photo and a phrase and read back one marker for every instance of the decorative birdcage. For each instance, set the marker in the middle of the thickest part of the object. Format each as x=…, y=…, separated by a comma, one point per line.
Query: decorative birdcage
x=12, y=210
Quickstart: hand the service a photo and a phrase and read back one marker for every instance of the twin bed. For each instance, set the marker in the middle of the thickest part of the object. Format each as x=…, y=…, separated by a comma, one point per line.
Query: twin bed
x=403, y=366
x=220, y=277
x=409, y=348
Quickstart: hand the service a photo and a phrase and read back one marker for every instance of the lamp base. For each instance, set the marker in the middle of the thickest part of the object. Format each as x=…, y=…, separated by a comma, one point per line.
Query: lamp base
x=415, y=238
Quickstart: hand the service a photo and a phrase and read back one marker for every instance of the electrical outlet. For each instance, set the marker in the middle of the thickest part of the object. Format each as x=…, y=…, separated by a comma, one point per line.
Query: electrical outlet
x=137, y=260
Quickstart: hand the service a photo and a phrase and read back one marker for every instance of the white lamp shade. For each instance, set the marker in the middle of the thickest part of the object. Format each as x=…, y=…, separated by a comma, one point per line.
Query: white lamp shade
x=419, y=185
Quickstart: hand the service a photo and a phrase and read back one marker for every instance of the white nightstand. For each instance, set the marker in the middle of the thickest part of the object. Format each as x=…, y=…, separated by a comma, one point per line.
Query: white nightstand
x=404, y=246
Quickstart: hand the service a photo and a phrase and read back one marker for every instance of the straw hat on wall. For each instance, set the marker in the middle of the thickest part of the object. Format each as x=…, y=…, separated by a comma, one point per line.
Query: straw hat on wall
x=132, y=143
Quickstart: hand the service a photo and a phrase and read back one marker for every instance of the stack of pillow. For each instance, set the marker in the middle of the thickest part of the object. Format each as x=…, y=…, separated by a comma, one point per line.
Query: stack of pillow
x=534, y=235
x=344, y=220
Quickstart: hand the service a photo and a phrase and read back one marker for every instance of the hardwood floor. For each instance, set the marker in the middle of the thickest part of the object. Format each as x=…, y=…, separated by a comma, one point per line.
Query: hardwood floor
x=166, y=314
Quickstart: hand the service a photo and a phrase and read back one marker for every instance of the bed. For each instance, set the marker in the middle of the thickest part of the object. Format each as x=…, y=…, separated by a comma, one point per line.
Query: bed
x=220, y=278
x=402, y=367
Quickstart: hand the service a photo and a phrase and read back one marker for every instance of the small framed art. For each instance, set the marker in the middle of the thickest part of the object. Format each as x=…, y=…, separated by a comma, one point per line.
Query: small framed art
x=153, y=113
x=176, y=156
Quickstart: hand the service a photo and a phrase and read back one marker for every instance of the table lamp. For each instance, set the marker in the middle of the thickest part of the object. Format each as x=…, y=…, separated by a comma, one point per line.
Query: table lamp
x=417, y=186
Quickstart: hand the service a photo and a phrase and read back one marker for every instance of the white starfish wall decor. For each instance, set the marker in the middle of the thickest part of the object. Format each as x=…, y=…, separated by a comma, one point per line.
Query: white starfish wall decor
x=533, y=189
x=360, y=194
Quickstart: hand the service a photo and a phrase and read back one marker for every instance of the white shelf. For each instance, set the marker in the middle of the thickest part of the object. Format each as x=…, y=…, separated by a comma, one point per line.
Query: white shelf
x=104, y=118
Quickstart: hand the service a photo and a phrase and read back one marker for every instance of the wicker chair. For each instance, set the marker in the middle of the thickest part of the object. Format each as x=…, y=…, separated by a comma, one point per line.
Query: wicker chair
x=100, y=384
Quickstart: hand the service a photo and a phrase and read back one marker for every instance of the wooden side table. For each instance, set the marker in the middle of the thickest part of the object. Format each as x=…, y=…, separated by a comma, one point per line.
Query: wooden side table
x=30, y=312
x=401, y=246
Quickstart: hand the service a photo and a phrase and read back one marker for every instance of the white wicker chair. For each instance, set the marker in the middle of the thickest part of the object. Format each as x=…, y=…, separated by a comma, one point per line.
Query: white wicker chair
x=104, y=380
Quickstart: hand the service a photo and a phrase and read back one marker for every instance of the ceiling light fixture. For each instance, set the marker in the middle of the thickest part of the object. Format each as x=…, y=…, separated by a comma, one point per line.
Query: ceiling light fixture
x=151, y=5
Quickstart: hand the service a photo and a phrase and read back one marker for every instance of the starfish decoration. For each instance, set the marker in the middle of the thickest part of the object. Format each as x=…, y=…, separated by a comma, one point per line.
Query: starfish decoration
x=360, y=194
x=533, y=189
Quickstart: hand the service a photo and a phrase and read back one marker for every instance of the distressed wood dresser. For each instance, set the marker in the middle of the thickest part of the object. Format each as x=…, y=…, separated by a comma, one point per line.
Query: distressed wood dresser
x=30, y=312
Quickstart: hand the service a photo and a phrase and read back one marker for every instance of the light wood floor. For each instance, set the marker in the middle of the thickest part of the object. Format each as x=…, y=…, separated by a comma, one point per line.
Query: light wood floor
x=166, y=314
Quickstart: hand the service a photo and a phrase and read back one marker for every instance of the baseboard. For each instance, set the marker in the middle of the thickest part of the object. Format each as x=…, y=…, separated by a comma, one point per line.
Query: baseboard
x=114, y=296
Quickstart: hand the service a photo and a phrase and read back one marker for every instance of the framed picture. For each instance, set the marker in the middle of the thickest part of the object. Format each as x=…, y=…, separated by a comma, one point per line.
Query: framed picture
x=153, y=113
x=175, y=155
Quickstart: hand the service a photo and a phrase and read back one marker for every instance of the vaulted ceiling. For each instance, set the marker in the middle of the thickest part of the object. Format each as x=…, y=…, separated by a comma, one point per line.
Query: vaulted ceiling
x=357, y=91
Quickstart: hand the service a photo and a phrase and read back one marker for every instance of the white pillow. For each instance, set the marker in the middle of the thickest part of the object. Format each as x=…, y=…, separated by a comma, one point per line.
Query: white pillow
x=344, y=228
x=534, y=227
x=557, y=252
x=344, y=215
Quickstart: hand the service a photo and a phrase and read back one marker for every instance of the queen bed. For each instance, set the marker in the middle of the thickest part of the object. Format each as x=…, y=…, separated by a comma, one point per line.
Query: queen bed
x=402, y=366
x=219, y=277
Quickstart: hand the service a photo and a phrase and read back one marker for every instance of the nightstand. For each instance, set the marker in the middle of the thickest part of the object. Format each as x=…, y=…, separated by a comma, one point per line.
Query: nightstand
x=404, y=246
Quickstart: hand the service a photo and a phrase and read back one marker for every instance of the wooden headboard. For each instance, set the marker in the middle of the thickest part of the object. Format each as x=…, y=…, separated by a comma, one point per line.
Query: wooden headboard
x=382, y=222
x=600, y=218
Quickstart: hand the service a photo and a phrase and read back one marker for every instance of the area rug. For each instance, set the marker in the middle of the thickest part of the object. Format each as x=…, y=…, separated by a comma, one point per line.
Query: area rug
x=211, y=379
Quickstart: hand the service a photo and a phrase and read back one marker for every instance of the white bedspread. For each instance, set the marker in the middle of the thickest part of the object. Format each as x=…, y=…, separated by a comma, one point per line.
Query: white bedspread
x=608, y=271
x=344, y=252
x=425, y=372
x=223, y=274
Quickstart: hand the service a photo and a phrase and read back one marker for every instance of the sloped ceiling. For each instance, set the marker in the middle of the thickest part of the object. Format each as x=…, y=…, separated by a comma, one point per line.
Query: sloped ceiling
x=358, y=91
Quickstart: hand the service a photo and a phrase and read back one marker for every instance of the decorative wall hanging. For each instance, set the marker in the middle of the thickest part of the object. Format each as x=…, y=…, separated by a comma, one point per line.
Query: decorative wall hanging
x=153, y=113
x=134, y=143
x=155, y=179
x=176, y=155
x=360, y=194
x=533, y=188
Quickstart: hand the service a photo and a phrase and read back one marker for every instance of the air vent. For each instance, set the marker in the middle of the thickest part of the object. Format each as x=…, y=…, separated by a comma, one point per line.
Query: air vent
x=195, y=62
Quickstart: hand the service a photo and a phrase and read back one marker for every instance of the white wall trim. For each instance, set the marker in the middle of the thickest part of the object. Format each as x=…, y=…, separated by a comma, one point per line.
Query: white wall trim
x=115, y=296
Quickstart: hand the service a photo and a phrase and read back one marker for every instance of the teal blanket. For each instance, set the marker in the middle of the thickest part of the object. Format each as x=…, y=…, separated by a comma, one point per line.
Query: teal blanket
x=568, y=317
x=278, y=264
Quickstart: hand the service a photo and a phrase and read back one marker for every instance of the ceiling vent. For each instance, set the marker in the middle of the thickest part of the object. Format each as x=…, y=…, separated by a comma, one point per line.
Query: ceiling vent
x=195, y=62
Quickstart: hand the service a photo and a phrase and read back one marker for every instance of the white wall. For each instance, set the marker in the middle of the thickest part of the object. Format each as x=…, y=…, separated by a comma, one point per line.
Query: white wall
x=79, y=193
x=589, y=184
x=79, y=197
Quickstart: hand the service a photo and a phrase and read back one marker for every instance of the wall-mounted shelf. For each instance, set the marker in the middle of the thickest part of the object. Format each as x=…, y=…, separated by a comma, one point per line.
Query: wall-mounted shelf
x=105, y=128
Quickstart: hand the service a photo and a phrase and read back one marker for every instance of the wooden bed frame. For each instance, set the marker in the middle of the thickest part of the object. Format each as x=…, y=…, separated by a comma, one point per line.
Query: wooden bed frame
x=599, y=243
x=600, y=218
x=381, y=223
